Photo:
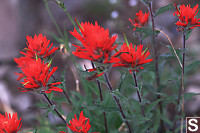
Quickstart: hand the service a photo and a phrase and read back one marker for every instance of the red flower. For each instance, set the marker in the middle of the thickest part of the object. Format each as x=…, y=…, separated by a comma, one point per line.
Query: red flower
x=79, y=126
x=187, y=17
x=36, y=74
x=97, y=44
x=129, y=56
x=38, y=46
x=9, y=124
x=141, y=19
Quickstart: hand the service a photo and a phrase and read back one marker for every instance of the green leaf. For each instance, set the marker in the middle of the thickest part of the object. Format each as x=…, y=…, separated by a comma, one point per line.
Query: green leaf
x=55, y=37
x=123, y=76
x=164, y=9
x=103, y=108
x=50, y=96
x=178, y=51
x=146, y=32
x=156, y=120
x=188, y=33
x=192, y=66
x=51, y=108
x=121, y=97
x=152, y=105
x=146, y=2
x=59, y=99
x=189, y=95
x=41, y=105
x=166, y=120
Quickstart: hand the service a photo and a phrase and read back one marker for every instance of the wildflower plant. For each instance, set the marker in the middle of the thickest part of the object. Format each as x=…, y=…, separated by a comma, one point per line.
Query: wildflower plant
x=136, y=103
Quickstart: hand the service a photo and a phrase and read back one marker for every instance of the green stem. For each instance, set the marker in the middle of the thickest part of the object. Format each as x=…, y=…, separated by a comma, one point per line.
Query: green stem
x=182, y=82
x=101, y=98
x=156, y=63
x=51, y=104
x=138, y=93
x=61, y=5
x=53, y=19
x=117, y=102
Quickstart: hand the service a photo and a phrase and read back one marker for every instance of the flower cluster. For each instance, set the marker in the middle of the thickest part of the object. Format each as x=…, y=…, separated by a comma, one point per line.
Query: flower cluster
x=35, y=72
x=141, y=19
x=79, y=126
x=9, y=124
x=97, y=46
x=186, y=16
x=37, y=47
x=131, y=57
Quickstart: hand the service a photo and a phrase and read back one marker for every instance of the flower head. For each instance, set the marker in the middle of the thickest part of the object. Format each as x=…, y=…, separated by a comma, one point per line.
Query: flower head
x=36, y=74
x=141, y=19
x=131, y=57
x=10, y=124
x=38, y=46
x=187, y=17
x=97, y=45
x=79, y=126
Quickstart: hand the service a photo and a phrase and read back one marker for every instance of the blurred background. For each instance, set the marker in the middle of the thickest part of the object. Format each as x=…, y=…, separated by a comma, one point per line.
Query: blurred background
x=19, y=18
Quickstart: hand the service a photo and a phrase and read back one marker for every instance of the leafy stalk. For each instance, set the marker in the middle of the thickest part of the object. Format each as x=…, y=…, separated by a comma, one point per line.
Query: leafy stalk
x=182, y=85
x=53, y=19
x=156, y=61
x=117, y=102
x=138, y=93
x=101, y=98
x=51, y=104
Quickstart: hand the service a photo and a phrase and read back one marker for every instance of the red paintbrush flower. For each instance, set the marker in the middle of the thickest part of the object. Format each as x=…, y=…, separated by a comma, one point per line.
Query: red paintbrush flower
x=141, y=19
x=22, y=62
x=38, y=47
x=79, y=126
x=131, y=57
x=187, y=17
x=9, y=124
x=97, y=45
x=36, y=75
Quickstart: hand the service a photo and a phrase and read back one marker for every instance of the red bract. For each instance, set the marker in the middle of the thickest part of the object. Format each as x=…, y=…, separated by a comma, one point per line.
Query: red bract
x=97, y=45
x=38, y=47
x=132, y=57
x=187, y=17
x=9, y=124
x=141, y=19
x=79, y=126
x=36, y=75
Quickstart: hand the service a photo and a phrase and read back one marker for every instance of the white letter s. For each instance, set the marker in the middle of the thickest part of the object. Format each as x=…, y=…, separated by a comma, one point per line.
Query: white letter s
x=193, y=124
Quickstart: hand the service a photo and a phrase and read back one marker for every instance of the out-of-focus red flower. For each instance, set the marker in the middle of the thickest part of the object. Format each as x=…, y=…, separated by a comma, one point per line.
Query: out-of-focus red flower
x=38, y=47
x=36, y=75
x=131, y=57
x=141, y=19
x=97, y=45
x=79, y=126
x=187, y=17
x=9, y=124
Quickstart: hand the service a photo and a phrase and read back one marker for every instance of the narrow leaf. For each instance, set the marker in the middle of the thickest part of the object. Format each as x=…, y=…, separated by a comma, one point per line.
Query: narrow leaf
x=152, y=105
x=188, y=33
x=164, y=9
x=103, y=108
x=192, y=66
